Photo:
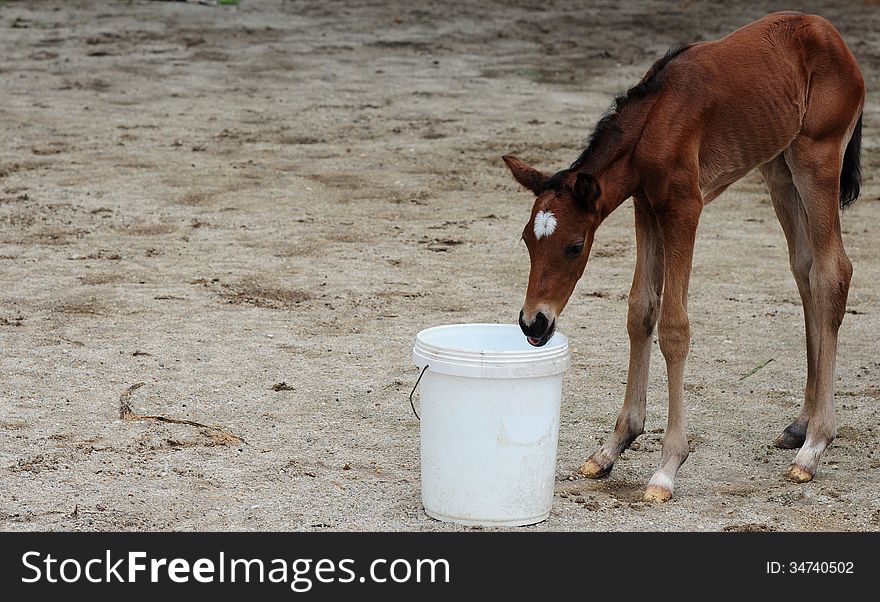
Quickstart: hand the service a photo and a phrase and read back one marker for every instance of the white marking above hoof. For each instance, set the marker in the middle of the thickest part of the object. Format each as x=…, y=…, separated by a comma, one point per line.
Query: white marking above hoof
x=545, y=224
x=661, y=480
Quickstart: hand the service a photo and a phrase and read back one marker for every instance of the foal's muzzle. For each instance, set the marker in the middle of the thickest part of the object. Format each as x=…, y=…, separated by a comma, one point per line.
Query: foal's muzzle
x=539, y=331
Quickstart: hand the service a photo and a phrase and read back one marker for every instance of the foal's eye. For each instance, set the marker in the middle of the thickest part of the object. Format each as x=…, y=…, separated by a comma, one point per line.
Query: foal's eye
x=574, y=250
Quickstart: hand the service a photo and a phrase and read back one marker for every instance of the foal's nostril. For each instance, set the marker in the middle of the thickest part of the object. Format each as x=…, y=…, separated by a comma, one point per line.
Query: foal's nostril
x=538, y=327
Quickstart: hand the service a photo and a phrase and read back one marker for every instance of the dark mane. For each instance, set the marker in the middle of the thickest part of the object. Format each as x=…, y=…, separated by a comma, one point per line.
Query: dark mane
x=607, y=132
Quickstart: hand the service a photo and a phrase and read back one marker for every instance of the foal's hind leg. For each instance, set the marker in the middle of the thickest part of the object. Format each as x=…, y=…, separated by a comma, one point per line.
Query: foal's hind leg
x=815, y=167
x=644, y=307
x=790, y=211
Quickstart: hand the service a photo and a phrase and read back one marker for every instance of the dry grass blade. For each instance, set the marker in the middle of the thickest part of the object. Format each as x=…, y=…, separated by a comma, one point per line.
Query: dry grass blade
x=217, y=434
x=755, y=369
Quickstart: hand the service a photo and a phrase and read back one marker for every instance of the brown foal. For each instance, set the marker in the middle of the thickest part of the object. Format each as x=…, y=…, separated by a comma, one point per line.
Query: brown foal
x=783, y=94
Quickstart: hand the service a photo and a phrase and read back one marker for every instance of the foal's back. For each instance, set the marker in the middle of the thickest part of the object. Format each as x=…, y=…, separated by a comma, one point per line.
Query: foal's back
x=738, y=102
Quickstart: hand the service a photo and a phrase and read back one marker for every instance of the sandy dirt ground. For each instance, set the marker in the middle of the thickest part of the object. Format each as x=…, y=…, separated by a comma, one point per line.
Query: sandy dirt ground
x=216, y=200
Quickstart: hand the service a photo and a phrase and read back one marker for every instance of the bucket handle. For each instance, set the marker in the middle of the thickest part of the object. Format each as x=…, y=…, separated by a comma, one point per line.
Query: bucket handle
x=413, y=392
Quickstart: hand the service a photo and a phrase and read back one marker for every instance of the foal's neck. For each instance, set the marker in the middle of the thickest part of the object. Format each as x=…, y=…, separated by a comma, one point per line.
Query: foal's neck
x=609, y=157
x=618, y=181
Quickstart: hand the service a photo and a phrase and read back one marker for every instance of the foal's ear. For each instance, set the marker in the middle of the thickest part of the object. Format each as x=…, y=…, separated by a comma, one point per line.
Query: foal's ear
x=585, y=190
x=527, y=176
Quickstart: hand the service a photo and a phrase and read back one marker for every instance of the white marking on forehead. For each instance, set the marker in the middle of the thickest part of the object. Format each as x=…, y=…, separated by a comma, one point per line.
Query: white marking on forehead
x=545, y=224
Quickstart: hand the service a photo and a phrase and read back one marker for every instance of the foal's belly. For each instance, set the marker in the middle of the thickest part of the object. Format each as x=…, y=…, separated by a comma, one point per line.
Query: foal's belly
x=712, y=189
x=733, y=147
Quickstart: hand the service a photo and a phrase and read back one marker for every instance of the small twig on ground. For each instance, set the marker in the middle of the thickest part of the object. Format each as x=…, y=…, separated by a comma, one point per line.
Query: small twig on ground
x=755, y=369
x=217, y=434
x=125, y=411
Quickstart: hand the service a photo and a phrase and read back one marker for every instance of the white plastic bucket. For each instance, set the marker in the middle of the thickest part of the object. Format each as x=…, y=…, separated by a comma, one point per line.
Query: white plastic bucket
x=489, y=423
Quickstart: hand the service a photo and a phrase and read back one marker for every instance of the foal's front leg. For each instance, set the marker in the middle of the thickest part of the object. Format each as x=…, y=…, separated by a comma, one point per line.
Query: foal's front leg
x=644, y=307
x=678, y=224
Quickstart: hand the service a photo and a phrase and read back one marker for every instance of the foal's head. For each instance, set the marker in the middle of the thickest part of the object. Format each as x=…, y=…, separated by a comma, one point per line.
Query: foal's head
x=558, y=235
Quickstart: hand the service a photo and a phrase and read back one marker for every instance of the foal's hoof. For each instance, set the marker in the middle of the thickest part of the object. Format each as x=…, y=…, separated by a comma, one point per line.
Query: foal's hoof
x=592, y=470
x=655, y=493
x=790, y=438
x=799, y=474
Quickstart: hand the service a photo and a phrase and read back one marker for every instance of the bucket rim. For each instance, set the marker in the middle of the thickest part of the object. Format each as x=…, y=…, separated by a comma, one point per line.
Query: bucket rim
x=552, y=358
x=556, y=343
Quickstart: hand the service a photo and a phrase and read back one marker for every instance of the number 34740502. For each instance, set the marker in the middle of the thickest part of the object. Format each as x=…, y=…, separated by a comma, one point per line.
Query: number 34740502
x=825, y=567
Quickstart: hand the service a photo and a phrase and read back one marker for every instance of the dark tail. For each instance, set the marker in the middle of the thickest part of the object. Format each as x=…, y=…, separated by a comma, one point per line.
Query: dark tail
x=851, y=173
